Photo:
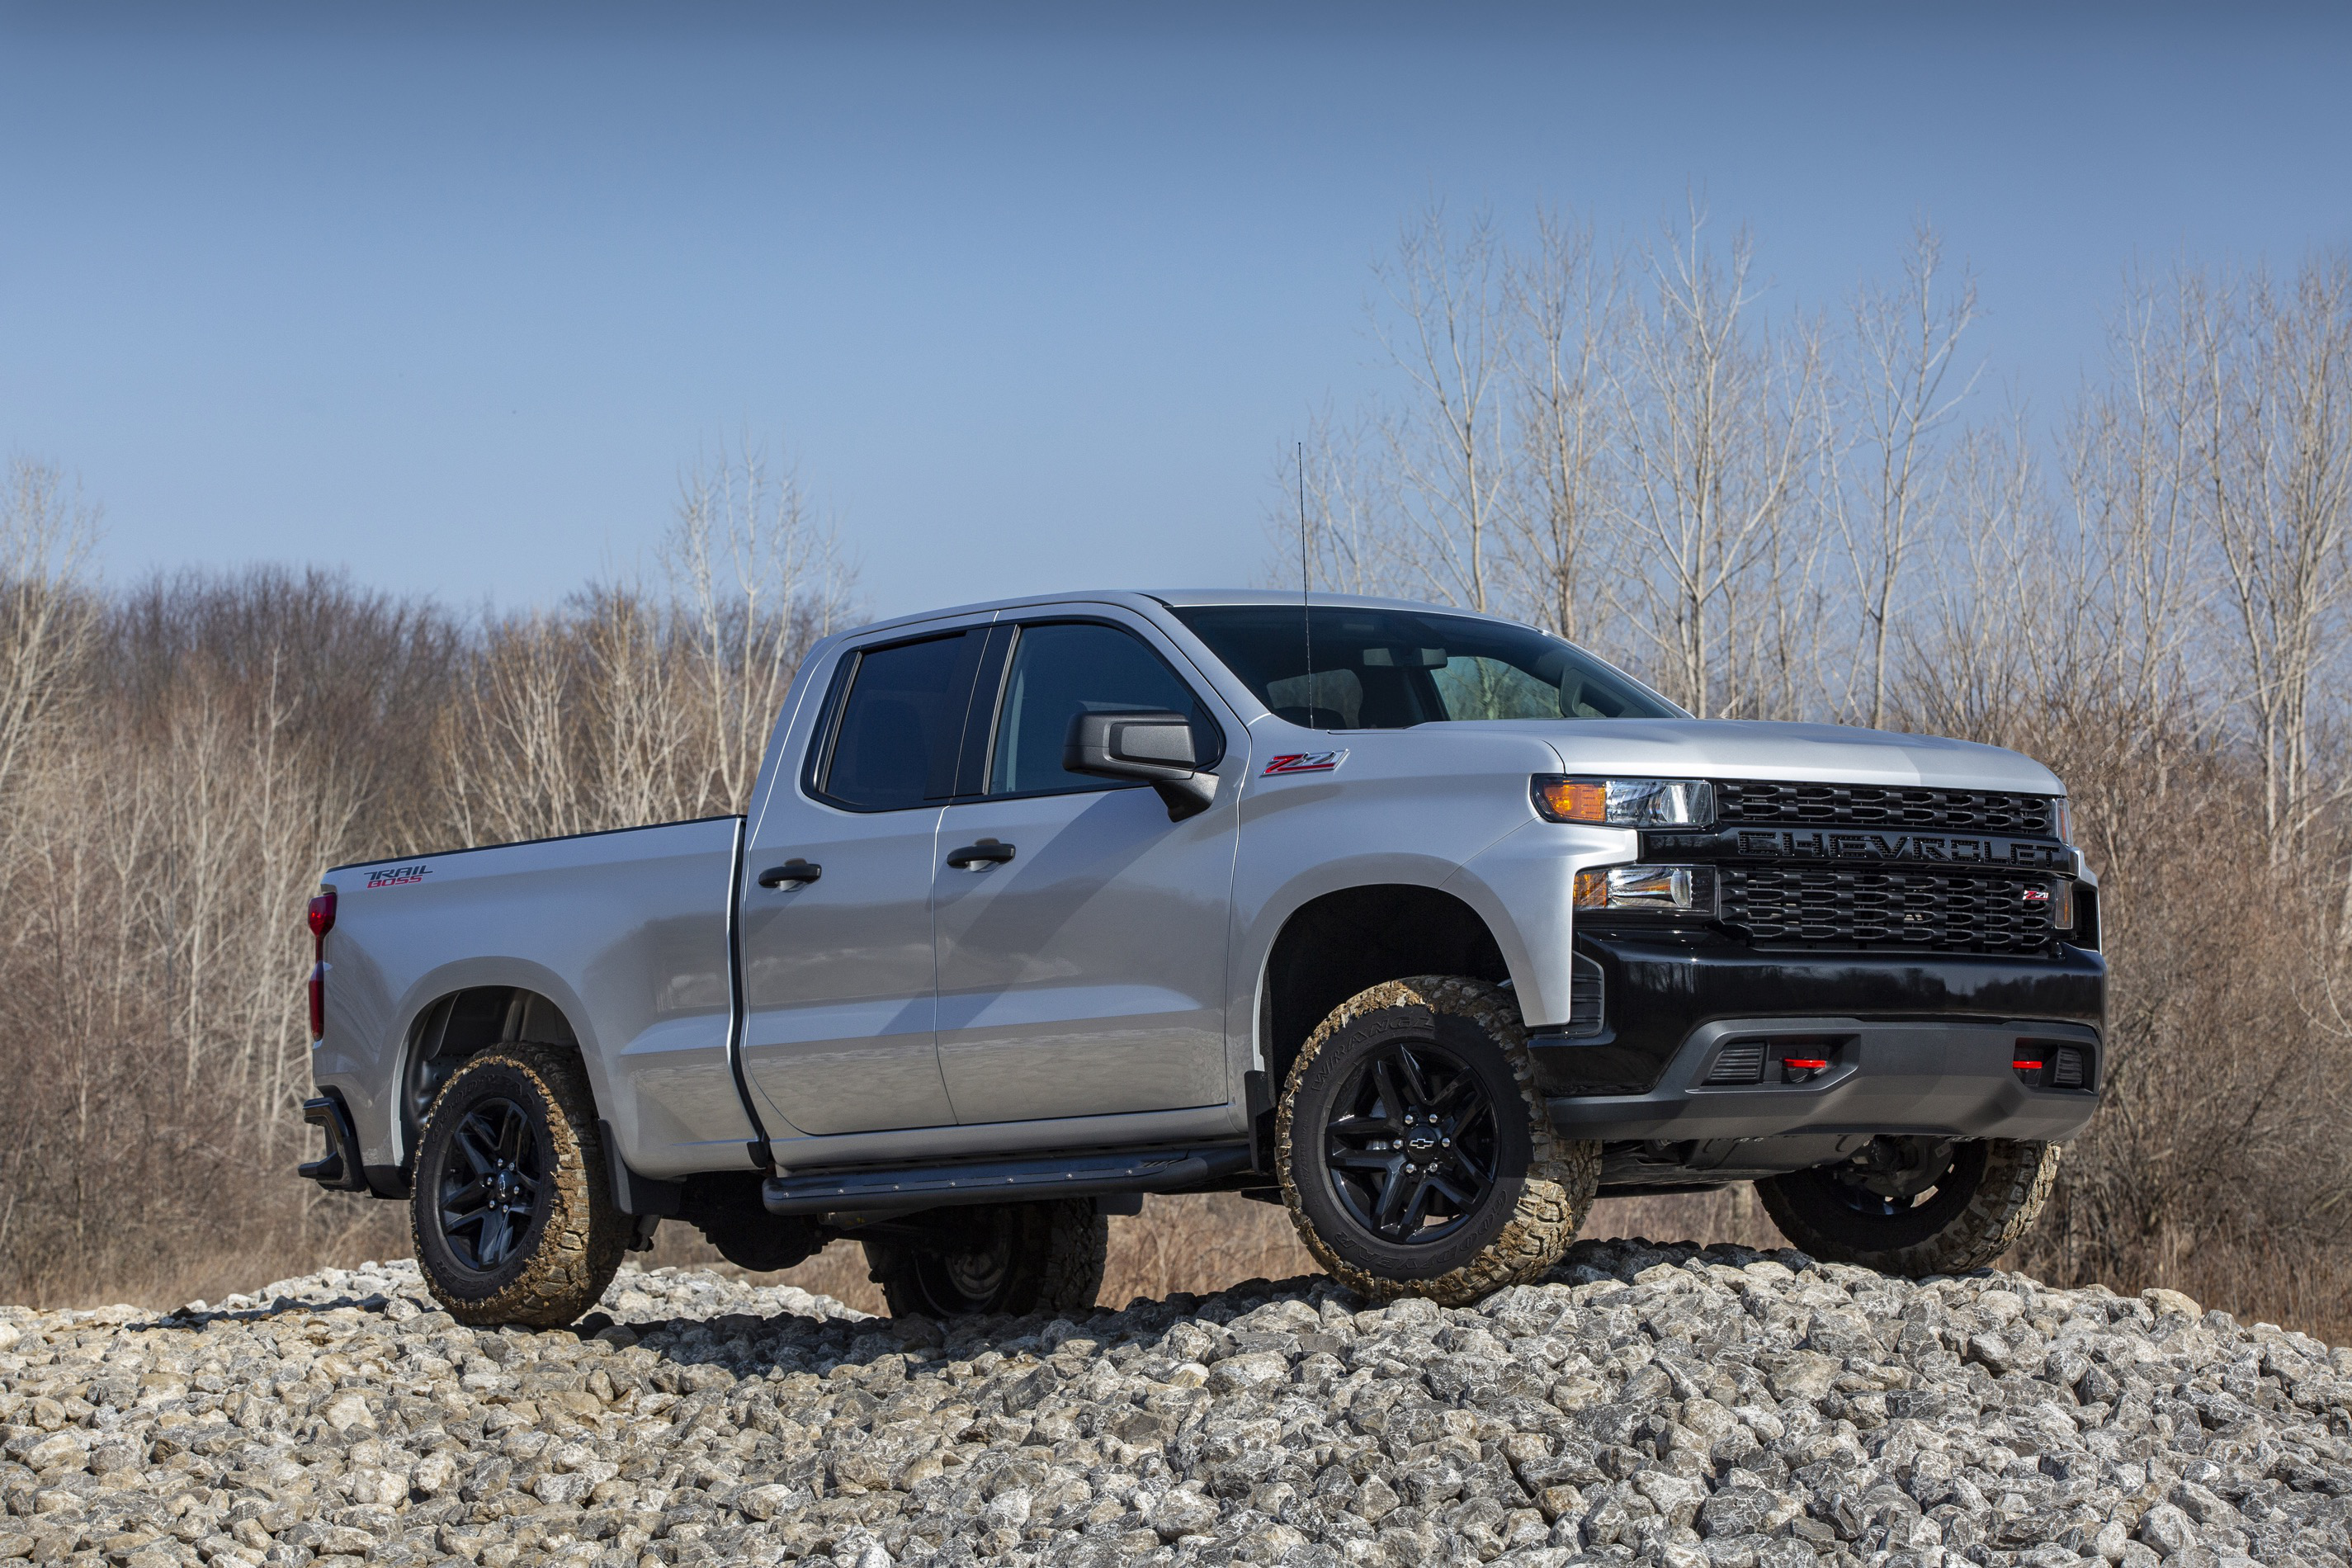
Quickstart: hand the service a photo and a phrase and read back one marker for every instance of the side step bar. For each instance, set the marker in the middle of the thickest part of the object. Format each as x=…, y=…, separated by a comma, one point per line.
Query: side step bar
x=1001, y=1181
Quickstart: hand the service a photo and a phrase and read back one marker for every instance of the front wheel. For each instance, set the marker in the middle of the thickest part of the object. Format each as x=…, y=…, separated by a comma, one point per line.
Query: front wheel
x=998, y=1257
x=1415, y=1154
x=1916, y=1206
x=513, y=1208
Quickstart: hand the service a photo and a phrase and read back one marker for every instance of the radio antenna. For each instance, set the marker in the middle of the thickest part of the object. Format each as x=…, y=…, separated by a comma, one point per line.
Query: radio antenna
x=1305, y=616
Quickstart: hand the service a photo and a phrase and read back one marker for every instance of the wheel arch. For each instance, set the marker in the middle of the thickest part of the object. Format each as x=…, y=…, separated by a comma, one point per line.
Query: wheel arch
x=464, y=1010
x=1347, y=940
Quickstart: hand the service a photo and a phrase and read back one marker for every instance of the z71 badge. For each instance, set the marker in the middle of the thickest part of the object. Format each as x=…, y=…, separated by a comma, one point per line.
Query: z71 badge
x=1305, y=762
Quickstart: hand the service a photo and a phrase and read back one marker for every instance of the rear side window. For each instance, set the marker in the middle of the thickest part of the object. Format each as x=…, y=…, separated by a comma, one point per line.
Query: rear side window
x=1059, y=671
x=901, y=725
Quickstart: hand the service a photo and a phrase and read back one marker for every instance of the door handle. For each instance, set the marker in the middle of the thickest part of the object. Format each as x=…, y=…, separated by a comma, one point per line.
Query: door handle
x=793, y=873
x=988, y=851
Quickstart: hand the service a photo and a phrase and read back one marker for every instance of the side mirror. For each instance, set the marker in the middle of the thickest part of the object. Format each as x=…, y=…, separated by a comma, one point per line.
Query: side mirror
x=1155, y=747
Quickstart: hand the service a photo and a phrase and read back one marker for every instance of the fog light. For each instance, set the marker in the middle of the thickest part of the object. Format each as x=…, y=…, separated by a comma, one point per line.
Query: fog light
x=1654, y=889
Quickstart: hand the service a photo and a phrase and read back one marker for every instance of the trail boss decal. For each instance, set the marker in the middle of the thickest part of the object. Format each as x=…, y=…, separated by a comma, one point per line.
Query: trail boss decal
x=397, y=876
x=1304, y=762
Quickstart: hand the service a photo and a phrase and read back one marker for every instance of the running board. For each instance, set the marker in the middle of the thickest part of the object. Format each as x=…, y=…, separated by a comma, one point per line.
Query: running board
x=1001, y=1181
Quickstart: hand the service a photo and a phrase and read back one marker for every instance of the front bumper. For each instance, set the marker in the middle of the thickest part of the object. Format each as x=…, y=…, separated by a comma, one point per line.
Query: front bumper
x=1914, y=1043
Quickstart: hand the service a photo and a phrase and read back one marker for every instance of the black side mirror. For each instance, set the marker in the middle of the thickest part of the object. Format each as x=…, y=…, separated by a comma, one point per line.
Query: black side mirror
x=1155, y=747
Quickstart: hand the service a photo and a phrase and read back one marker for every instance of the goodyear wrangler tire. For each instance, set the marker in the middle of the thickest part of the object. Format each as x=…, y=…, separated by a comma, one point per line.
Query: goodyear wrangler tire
x=1415, y=1155
x=1916, y=1206
x=511, y=1207
x=1010, y=1258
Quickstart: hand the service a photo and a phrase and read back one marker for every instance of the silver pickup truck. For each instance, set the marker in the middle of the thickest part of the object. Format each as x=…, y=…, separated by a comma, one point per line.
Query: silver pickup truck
x=1428, y=926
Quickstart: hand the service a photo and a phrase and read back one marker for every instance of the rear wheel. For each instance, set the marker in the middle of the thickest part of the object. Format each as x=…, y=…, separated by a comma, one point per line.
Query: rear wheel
x=1415, y=1153
x=1916, y=1206
x=511, y=1207
x=1005, y=1258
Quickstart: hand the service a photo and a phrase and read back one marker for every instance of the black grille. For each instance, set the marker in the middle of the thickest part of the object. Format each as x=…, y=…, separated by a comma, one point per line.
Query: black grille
x=1742, y=1061
x=1874, y=805
x=1877, y=908
x=1584, y=996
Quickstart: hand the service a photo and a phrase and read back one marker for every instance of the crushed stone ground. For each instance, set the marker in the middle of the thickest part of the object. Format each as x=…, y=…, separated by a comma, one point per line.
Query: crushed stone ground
x=1648, y=1403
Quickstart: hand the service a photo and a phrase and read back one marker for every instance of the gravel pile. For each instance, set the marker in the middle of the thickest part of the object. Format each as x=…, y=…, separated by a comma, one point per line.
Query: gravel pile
x=1651, y=1403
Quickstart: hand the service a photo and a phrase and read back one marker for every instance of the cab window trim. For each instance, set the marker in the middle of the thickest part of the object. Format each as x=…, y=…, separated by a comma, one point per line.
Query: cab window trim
x=817, y=771
x=1090, y=786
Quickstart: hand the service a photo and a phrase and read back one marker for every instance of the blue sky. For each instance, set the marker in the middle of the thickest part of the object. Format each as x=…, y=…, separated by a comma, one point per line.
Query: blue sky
x=1036, y=297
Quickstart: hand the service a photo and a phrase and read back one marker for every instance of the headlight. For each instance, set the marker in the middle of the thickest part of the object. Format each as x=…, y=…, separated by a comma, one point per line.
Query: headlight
x=2062, y=820
x=1654, y=889
x=1626, y=802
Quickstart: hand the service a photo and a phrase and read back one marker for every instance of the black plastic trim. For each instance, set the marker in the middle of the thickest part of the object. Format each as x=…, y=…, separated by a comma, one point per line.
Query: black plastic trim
x=339, y=1170
x=1661, y=991
x=1088, y=1174
x=638, y=1195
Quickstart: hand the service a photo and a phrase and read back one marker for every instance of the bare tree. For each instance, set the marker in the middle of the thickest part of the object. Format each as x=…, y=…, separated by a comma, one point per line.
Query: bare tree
x=1718, y=424
x=1446, y=332
x=761, y=578
x=1880, y=441
x=46, y=618
x=2275, y=444
x=1565, y=321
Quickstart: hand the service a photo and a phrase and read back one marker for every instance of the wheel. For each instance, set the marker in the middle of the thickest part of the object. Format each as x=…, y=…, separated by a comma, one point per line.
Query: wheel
x=1013, y=1259
x=511, y=1205
x=1916, y=1206
x=1414, y=1152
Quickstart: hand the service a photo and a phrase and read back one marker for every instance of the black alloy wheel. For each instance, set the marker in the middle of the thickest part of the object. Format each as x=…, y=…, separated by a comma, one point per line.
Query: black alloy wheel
x=493, y=1188
x=1410, y=1143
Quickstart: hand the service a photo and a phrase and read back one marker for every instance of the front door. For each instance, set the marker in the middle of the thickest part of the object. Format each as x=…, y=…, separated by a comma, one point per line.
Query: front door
x=1085, y=975
x=839, y=1033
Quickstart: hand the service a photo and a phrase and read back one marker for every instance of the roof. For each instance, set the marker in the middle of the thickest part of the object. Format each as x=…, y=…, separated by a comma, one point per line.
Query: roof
x=1174, y=599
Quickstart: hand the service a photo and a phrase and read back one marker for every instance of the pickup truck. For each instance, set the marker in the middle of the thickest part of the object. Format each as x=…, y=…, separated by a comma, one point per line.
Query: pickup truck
x=1429, y=926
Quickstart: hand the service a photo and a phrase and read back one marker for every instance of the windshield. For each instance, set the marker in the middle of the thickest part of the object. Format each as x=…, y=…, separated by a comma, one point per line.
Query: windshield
x=1390, y=669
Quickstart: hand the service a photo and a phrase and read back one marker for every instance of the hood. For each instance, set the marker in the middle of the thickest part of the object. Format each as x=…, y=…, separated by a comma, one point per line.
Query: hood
x=1755, y=749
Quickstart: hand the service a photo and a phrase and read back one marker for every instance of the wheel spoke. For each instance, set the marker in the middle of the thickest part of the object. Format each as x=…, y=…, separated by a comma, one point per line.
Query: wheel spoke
x=1393, y=1192
x=453, y=1222
x=480, y=1152
x=467, y=1197
x=511, y=1136
x=1415, y=1083
x=1415, y=1210
x=1453, y=1094
x=1392, y=1101
x=1362, y=1126
x=1363, y=1160
x=1459, y=1198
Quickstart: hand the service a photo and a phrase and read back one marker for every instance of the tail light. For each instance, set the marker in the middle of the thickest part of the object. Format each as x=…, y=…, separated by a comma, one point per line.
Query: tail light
x=322, y=920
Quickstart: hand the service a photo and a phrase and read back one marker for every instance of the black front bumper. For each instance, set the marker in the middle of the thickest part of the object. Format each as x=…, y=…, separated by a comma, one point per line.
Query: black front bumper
x=1921, y=1043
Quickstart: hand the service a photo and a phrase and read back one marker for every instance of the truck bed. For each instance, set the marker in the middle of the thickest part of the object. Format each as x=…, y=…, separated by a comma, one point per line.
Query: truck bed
x=627, y=932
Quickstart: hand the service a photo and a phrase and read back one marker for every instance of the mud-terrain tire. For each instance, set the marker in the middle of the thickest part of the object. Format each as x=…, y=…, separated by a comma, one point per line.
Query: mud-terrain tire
x=1968, y=1213
x=1021, y=1257
x=511, y=1207
x=1459, y=1045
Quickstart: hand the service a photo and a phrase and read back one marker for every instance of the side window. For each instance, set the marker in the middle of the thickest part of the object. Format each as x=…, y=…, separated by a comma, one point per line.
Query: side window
x=1059, y=671
x=901, y=725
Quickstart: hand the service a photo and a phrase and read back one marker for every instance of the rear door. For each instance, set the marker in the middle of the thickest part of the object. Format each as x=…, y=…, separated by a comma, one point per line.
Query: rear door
x=1084, y=975
x=839, y=1033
